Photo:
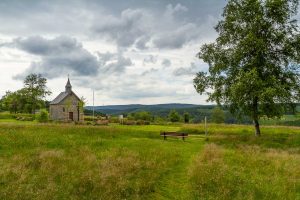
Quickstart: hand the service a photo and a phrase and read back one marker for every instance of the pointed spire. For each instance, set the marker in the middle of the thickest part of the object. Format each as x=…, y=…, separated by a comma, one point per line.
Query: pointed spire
x=68, y=85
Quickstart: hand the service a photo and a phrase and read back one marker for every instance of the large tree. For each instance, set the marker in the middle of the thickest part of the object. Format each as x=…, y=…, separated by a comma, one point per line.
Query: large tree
x=254, y=62
x=36, y=88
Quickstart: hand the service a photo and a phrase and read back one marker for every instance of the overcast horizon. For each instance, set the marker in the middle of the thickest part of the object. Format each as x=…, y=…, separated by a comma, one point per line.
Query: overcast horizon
x=133, y=52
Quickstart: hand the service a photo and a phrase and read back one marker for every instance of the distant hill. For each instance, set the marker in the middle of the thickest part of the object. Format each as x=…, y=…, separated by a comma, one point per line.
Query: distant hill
x=197, y=112
x=160, y=109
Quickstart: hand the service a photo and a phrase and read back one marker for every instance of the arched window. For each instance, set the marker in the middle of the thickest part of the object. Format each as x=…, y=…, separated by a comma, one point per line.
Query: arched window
x=63, y=109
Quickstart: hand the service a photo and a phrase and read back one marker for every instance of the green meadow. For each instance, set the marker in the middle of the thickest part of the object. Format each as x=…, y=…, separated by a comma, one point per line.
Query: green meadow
x=63, y=161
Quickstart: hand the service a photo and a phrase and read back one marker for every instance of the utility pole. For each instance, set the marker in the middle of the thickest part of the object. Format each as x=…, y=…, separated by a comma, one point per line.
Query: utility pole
x=93, y=106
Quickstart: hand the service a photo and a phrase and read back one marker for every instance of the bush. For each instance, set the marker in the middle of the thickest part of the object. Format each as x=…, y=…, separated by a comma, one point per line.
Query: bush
x=186, y=117
x=43, y=116
x=114, y=120
x=174, y=116
x=218, y=115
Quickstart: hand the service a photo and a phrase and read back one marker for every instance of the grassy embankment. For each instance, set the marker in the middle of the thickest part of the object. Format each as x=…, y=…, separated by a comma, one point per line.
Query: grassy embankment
x=133, y=162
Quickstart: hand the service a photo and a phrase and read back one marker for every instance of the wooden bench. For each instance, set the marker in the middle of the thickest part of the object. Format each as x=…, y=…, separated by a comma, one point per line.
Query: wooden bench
x=173, y=134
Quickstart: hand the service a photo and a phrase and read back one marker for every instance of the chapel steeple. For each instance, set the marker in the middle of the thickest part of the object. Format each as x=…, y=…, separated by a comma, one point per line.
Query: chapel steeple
x=68, y=86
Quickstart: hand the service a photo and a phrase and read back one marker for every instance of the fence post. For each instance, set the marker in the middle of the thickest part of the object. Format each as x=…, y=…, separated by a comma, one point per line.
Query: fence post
x=205, y=126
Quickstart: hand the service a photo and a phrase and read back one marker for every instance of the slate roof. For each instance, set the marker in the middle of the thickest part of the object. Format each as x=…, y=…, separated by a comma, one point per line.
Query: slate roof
x=62, y=96
x=59, y=98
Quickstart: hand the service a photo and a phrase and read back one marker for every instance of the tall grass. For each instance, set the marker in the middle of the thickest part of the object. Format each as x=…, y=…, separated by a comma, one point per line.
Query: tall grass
x=246, y=172
x=64, y=161
x=69, y=162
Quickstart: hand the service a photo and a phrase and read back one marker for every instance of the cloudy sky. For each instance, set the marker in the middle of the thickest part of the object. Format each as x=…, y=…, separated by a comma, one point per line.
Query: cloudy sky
x=133, y=51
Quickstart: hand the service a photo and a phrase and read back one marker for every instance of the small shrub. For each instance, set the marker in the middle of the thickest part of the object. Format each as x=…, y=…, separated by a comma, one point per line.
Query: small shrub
x=114, y=120
x=43, y=116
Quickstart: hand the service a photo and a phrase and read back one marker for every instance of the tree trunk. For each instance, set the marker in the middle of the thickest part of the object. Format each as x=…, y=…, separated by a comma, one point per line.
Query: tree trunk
x=255, y=116
x=257, y=129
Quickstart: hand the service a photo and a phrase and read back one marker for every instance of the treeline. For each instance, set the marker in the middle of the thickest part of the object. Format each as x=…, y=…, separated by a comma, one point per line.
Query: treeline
x=27, y=99
x=214, y=115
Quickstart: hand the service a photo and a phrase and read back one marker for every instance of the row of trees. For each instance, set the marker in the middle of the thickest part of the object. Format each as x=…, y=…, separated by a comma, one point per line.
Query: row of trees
x=217, y=115
x=28, y=99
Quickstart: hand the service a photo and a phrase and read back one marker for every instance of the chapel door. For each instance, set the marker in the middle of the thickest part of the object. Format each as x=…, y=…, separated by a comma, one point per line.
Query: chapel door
x=71, y=116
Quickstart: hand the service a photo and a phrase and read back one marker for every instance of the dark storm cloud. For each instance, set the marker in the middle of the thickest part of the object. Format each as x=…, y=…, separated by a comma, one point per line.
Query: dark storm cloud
x=142, y=42
x=45, y=47
x=62, y=55
x=57, y=56
x=113, y=63
x=164, y=24
x=170, y=28
x=126, y=29
x=177, y=38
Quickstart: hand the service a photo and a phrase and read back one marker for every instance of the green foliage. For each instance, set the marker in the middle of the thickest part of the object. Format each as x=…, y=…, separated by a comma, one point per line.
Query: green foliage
x=27, y=99
x=186, y=117
x=142, y=115
x=254, y=63
x=43, y=116
x=90, y=113
x=36, y=89
x=174, y=116
x=218, y=115
x=81, y=104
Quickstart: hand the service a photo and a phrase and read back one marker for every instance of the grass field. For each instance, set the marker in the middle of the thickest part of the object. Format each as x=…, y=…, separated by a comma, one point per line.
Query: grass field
x=52, y=161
